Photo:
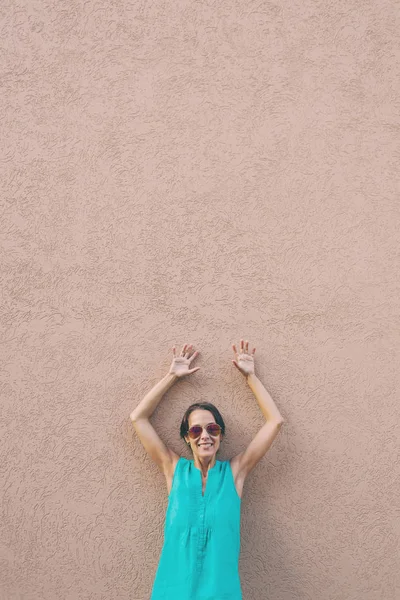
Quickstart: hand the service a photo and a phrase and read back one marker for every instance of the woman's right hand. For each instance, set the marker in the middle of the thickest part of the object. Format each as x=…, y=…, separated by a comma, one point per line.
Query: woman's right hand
x=180, y=364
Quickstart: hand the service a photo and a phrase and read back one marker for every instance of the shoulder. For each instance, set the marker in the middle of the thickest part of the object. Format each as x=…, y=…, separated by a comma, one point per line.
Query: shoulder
x=170, y=469
x=236, y=465
x=170, y=466
x=238, y=473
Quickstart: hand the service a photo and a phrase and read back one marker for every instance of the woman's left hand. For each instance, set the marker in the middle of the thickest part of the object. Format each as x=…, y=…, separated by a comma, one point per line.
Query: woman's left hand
x=244, y=361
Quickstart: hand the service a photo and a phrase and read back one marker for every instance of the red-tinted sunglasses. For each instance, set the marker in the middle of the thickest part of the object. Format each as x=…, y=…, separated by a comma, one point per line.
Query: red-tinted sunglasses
x=212, y=429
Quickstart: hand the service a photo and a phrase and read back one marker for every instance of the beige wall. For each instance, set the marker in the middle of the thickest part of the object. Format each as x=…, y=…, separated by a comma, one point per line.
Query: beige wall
x=197, y=172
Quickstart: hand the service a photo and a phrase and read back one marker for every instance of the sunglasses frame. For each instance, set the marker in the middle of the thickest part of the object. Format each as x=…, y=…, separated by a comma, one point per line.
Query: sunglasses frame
x=212, y=434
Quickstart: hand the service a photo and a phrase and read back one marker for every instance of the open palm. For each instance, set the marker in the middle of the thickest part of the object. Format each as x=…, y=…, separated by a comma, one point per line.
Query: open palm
x=180, y=364
x=244, y=361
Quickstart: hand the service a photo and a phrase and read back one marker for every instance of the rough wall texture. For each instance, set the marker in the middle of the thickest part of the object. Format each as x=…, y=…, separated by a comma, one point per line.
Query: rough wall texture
x=199, y=171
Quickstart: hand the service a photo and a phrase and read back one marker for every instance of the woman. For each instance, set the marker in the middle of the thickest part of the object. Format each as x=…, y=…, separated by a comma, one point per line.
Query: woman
x=200, y=555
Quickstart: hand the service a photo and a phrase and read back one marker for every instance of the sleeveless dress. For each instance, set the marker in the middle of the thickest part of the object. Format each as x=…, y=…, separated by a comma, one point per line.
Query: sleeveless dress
x=200, y=555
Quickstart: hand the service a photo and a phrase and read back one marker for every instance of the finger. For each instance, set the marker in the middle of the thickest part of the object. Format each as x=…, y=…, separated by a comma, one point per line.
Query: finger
x=188, y=351
x=183, y=350
x=247, y=345
x=241, y=345
x=253, y=350
x=236, y=365
x=173, y=350
x=193, y=356
x=234, y=348
x=193, y=370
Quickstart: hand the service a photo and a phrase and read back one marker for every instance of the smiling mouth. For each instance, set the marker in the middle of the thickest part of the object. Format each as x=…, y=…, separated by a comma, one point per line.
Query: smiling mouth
x=206, y=445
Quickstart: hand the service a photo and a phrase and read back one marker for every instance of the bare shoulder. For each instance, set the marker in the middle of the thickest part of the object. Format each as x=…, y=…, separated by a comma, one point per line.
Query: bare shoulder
x=237, y=472
x=235, y=463
x=169, y=468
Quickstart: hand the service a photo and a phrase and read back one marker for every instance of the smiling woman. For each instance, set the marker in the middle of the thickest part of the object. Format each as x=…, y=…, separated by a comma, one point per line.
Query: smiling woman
x=200, y=554
x=202, y=428
x=202, y=423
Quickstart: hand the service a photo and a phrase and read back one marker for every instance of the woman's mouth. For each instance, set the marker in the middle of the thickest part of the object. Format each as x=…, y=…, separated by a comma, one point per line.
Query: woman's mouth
x=205, y=445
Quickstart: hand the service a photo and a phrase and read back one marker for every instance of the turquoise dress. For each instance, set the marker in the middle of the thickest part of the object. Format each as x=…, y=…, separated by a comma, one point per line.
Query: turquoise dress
x=200, y=556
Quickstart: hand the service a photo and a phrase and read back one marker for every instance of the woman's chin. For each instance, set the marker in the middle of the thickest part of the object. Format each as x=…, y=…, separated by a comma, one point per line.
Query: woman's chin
x=206, y=452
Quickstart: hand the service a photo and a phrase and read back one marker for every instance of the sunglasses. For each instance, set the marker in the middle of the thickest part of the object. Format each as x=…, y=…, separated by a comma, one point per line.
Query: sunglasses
x=212, y=429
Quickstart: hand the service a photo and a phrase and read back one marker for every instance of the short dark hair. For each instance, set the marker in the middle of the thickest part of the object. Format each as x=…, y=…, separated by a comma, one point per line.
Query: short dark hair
x=202, y=406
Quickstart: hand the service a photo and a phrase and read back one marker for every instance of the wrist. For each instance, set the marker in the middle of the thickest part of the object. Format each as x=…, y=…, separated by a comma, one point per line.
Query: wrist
x=171, y=377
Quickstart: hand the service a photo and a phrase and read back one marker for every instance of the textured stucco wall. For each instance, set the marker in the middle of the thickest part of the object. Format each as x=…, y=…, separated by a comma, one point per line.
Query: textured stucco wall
x=198, y=171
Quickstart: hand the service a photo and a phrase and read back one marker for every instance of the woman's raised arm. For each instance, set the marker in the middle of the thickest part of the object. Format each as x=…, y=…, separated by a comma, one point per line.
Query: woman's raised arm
x=244, y=462
x=140, y=416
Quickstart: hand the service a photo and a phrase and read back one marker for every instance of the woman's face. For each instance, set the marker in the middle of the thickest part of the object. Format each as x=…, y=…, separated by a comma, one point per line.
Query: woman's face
x=205, y=445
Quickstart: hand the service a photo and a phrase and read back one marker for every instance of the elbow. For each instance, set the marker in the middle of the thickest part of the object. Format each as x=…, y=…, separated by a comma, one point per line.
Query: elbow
x=136, y=417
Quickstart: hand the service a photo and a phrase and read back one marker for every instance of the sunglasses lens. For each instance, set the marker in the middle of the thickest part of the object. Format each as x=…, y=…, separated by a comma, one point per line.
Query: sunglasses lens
x=195, y=431
x=214, y=429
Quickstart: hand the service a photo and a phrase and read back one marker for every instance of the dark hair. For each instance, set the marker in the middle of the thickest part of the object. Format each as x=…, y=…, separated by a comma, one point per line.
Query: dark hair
x=203, y=406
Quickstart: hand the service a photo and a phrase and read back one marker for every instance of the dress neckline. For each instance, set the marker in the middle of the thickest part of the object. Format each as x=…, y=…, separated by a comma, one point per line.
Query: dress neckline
x=209, y=470
x=204, y=480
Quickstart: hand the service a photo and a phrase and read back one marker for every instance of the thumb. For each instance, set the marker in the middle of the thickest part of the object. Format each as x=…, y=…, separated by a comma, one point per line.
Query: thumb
x=193, y=370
